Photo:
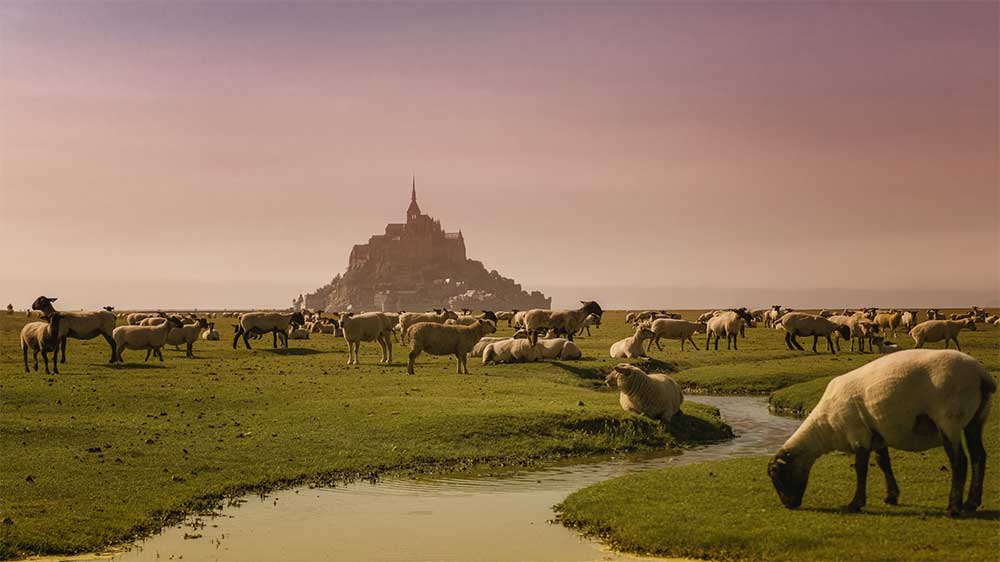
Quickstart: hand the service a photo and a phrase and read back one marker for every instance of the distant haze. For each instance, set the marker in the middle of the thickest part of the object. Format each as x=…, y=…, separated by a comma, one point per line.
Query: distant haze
x=218, y=154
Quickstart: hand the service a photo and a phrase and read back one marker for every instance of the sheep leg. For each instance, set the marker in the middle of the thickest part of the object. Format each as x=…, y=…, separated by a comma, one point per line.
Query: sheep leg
x=62, y=344
x=735, y=347
x=159, y=354
x=458, y=361
x=891, y=488
x=45, y=357
x=708, y=339
x=148, y=352
x=861, y=457
x=190, y=350
x=413, y=357
x=974, y=442
x=24, y=351
x=956, y=343
x=34, y=356
x=788, y=340
x=959, y=465
x=798, y=346
x=829, y=344
x=815, y=339
x=690, y=339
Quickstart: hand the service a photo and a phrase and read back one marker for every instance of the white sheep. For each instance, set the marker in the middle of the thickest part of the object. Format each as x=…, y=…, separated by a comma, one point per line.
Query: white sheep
x=564, y=322
x=507, y=315
x=511, y=351
x=888, y=321
x=79, y=325
x=150, y=338
x=930, y=331
x=631, y=347
x=909, y=319
x=210, y=334
x=803, y=324
x=558, y=348
x=653, y=395
x=42, y=337
x=296, y=333
x=671, y=329
x=259, y=323
x=440, y=339
x=729, y=323
x=187, y=335
x=370, y=326
x=860, y=328
x=912, y=400
x=407, y=319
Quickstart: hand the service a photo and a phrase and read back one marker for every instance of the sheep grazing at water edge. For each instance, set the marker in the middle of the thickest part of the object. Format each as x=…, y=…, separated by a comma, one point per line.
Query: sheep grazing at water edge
x=370, y=326
x=802, y=324
x=565, y=322
x=260, y=323
x=150, y=338
x=653, y=395
x=79, y=325
x=441, y=339
x=631, y=347
x=912, y=400
x=42, y=337
x=930, y=331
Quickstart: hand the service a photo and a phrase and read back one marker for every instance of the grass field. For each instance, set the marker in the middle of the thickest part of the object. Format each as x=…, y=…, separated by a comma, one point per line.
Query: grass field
x=115, y=452
x=729, y=510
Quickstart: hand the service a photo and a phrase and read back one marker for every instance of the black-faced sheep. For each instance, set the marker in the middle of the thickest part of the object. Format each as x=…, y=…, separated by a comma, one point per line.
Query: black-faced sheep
x=79, y=325
x=564, y=322
x=42, y=337
x=803, y=324
x=912, y=400
x=259, y=323
x=728, y=323
x=150, y=338
x=370, y=326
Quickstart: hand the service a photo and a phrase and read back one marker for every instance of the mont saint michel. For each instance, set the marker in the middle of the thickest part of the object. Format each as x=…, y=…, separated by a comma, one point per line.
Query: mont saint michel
x=417, y=265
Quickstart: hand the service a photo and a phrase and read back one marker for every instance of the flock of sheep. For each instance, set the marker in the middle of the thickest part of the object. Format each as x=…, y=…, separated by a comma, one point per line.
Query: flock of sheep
x=911, y=400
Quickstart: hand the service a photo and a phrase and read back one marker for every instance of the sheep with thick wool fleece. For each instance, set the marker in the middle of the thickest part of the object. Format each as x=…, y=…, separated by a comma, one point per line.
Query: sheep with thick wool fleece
x=442, y=339
x=186, y=335
x=150, y=338
x=407, y=319
x=511, y=351
x=653, y=395
x=912, y=400
x=82, y=325
x=631, y=347
x=930, y=331
x=671, y=329
x=803, y=324
x=369, y=326
x=564, y=322
x=42, y=337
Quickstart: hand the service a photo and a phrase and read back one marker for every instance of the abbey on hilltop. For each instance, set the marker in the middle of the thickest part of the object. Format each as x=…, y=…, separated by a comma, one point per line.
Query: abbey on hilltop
x=415, y=266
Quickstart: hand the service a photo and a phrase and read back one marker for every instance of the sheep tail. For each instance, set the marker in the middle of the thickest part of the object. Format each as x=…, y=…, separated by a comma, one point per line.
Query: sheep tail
x=987, y=388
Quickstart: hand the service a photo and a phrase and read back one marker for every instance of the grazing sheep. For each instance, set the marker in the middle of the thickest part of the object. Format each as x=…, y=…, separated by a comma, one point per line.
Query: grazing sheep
x=729, y=324
x=506, y=315
x=43, y=337
x=370, y=326
x=152, y=320
x=79, y=325
x=655, y=395
x=564, y=322
x=260, y=323
x=860, y=328
x=187, y=335
x=408, y=319
x=802, y=324
x=888, y=321
x=439, y=339
x=511, y=351
x=930, y=331
x=631, y=347
x=912, y=400
x=590, y=320
x=210, y=334
x=150, y=338
x=675, y=330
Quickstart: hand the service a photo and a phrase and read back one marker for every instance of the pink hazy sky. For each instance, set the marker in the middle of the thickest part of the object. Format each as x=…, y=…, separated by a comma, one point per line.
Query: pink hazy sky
x=230, y=154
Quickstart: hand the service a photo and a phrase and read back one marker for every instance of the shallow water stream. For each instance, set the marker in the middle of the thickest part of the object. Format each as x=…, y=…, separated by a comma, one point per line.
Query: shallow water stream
x=475, y=519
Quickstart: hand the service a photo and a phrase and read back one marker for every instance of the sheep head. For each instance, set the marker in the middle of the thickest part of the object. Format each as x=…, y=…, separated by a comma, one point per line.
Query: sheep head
x=970, y=324
x=845, y=332
x=789, y=474
x=591, y=307
x=175, y=322
x=44, y=304
x=622, y=373
x=298, y=318
x=489, y=315
x=486, y=327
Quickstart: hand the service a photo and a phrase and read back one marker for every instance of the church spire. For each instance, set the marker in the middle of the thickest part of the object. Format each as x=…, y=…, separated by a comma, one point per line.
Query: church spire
x=414, y=211
x=413, y=194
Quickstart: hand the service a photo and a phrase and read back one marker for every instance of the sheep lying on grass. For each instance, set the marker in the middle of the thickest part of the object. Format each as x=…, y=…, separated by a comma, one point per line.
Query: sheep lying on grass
x=675, y=330
x=441, y=339
x=79, y=325
x=631, y=347
x=370, y=326
x=210, y=334
x=296, y=333
x=558, y=348
x=802, y=324
x=564, y=322
x=42, y=337
x=930, y=331
x=511, y=351
x=259, y=323
x=655, y=395
x=150, y=338
x=477, y=350
x=912, y=400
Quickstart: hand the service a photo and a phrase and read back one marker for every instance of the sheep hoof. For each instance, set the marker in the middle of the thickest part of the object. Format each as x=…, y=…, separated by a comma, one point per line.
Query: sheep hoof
x=854, y=508
x=969, y=507
x=954, y=512
x=892, y=500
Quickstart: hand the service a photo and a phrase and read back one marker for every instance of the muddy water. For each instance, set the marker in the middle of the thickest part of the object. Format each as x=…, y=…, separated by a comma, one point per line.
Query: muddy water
x=474, y=519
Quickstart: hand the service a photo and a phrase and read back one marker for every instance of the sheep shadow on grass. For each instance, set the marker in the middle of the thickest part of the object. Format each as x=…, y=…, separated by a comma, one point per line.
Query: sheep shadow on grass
x=921, y=513
x=588, y=373
x=693, y=429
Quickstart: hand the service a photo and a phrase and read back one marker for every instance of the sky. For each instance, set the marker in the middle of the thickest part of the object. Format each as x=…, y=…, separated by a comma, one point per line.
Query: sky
x=229, y=154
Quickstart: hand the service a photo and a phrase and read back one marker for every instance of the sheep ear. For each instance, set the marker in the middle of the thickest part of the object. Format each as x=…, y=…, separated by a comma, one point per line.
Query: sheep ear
x=53, y=299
